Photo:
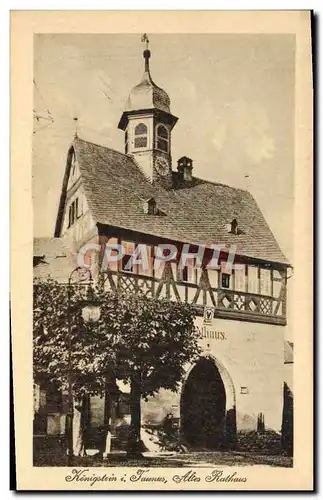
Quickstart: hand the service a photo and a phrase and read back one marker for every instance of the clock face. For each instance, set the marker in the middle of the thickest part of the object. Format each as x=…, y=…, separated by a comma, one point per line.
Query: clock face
x=162, y=166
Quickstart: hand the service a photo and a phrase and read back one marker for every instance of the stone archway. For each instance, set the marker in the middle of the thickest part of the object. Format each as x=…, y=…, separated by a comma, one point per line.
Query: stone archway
x=208, y=414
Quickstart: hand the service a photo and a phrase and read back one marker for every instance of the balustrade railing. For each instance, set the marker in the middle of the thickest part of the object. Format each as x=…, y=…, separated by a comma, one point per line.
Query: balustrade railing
x=228, y=303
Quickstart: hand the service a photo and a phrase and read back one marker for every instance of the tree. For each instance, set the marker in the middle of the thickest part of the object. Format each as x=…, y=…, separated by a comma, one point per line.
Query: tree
x=287, y=437
x=157, y=339
x=146, y=341
x=92, y=352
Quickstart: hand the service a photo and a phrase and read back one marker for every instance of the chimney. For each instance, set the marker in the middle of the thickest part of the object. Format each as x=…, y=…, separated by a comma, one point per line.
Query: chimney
x=185, y=167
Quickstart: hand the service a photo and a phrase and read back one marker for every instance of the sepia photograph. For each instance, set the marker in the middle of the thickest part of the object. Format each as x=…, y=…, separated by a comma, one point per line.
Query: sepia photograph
x=183, y=353
x=163, y=243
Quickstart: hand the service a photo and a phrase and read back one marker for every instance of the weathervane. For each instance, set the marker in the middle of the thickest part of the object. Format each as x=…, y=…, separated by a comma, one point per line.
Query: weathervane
x=144, y=39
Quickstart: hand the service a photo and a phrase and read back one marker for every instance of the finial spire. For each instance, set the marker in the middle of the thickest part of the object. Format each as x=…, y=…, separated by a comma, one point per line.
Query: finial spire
x=76, y=126
x=145, y=39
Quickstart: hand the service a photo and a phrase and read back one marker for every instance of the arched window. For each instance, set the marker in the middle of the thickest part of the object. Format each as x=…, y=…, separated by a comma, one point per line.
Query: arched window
x=162, y=138
x=141, y=133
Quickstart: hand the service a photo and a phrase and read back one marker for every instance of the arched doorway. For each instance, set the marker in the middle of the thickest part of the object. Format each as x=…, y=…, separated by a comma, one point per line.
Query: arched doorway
x=206, y=406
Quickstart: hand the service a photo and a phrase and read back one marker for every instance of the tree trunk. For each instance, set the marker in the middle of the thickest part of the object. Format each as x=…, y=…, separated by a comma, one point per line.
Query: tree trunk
x=106, y=445
x=79, y=425
x=134, y=443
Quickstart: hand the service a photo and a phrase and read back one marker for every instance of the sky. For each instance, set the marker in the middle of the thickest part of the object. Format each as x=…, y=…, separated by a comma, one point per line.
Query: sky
x=233, y=95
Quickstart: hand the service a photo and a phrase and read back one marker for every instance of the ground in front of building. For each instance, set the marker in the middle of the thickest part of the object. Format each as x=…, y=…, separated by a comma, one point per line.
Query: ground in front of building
x=192, y=459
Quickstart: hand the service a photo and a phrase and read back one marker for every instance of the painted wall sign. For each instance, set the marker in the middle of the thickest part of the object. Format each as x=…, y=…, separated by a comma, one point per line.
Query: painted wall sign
x=209, y=333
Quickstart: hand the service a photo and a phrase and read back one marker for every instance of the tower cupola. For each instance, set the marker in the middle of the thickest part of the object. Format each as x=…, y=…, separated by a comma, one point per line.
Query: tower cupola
x=147, y=95
x=148, y=122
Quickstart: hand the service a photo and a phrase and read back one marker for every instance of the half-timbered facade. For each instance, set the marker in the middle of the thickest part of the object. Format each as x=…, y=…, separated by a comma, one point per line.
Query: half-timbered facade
x=140, y=198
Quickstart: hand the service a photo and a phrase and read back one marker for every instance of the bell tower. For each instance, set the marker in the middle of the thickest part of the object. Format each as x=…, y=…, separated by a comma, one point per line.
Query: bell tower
x=148, y=122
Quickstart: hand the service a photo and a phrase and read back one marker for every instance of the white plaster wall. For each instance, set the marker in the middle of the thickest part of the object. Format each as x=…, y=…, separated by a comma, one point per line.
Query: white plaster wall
x=145, y=161
x=253, y=356
x=84, y=223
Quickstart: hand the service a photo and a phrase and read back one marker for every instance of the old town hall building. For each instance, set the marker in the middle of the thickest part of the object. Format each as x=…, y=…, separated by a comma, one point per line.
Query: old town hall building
x=144, y=196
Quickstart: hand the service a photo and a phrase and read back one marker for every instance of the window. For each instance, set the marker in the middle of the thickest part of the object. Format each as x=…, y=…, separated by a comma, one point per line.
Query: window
x=188, y=272
x=234, y=226
x=253, y=280
x=158, y=263
x=142, y=267
x=128, y=249
x=112, y=264
x=73, y=212
x=126, y=142
x=141, y=133
x=265, y=282
x=71, y=215
x=162, y=138
x=225, y=280
x=240, y=278
x=149, y=207
x=125, y=260
x=225, y=273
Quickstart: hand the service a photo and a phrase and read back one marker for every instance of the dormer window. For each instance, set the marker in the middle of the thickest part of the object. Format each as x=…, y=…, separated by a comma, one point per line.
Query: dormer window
x=162, y=138
x=141, y=136
x=233, y=227
x=150, y=207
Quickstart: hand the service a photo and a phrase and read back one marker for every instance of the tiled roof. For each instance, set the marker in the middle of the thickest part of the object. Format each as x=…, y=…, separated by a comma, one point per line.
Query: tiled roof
x=196, y=213
x=147, y=94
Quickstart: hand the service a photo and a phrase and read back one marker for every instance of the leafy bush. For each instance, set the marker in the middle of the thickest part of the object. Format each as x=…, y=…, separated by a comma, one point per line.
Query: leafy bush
x=267, y=442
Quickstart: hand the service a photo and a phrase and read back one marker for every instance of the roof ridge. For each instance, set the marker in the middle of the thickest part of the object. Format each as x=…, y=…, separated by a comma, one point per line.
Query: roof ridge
x=221, y=184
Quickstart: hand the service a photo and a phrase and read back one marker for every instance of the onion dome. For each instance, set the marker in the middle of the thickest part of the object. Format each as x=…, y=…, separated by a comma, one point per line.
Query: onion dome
x=147, y=95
